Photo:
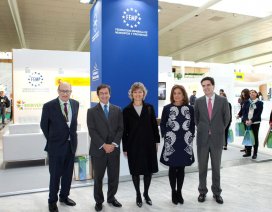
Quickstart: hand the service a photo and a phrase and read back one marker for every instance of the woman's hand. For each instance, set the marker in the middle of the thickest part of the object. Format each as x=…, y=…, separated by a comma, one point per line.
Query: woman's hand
x=248, y=122
x=125, y=154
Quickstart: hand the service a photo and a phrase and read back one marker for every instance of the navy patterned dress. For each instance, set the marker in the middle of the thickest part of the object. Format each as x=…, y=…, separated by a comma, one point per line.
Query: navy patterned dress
x=178, y=130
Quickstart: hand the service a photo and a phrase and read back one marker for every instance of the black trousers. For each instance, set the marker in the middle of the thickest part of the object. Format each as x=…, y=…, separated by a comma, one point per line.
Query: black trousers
x=226, y=134
x=61, y=172
x=255, y=128
x=3, y=113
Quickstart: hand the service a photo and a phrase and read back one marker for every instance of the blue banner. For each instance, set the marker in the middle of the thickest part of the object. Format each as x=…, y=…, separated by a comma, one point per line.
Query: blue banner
x=96, y=50
x=129, y=47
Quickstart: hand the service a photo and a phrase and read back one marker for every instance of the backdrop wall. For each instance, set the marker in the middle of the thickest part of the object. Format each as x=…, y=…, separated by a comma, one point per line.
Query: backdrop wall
x=36, y=74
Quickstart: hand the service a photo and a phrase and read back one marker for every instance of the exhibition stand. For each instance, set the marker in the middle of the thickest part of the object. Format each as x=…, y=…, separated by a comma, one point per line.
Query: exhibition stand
x=24, y=142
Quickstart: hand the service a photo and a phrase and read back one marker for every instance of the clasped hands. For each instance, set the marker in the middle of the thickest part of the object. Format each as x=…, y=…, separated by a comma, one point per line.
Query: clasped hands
x=248, y=122
x=109, y=148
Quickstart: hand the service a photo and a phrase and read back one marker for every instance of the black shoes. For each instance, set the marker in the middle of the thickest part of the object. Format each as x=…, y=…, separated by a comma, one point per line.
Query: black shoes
x=115, y=203
x=53, y=207
x=68, y=201
x=147, y=199
x=242, y=150
x=201, y=198
x=98, y=207
x=218, y=199
x=225, y=147
x=254, y=156
x=139, y=201
x=174, y=197
x=180, y=198
x=248, y=154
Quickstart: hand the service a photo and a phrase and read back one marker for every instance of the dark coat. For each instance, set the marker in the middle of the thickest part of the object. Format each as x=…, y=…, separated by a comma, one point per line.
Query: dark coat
x=139, y=139
x=257, y=111
x=4, y=102
x=55, y=128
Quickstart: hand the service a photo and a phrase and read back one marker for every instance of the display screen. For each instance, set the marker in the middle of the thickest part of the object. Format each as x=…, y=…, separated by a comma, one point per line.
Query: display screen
x=162, y=90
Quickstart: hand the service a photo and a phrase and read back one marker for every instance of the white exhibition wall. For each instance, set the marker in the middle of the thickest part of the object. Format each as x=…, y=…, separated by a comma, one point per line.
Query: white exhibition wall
x=6, y=78
x=36, y=74
x=222, y=74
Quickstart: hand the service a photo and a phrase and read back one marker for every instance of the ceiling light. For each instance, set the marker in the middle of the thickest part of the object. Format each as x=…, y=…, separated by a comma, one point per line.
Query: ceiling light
x=86, y=1
x=260, y=8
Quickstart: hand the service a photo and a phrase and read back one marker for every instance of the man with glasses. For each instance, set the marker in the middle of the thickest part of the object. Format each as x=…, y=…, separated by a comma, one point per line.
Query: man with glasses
x=59, y=126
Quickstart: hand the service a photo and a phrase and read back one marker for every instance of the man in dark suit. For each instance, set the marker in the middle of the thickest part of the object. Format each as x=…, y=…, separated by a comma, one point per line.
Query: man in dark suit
x=59, y=126
x=105, y=124
x=212, y=116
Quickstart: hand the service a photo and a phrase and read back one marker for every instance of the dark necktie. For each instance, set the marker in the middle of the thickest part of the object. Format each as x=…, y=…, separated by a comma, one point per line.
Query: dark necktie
x=66, y=111
x=106, y=111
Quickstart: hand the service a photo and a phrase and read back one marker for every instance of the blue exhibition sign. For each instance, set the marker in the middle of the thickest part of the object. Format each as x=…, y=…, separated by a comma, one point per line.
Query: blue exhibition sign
x=129, y=47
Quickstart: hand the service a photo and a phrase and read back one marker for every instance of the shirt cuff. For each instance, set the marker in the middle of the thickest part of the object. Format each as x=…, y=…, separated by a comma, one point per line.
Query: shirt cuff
x=101, y=146
x=115, y=144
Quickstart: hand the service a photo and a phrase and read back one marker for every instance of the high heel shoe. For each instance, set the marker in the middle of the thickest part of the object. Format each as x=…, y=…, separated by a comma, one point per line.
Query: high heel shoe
x=139, y=201
x=174, y=197
x=147, y=199
x=180, y=198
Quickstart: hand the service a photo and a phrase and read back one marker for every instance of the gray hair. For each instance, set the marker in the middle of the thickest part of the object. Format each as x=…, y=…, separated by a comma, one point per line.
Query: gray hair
x=135, y=86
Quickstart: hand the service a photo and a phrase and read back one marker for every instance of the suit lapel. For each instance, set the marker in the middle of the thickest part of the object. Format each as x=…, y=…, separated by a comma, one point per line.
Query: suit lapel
x=73, y=106
x=134, y=112
x=111, y=112
x=101, y=113
x=215, y=106
x=58, y=110
x=205, y=107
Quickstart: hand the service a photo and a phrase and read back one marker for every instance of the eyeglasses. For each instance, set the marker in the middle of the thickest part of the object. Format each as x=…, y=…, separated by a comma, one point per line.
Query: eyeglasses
x=65, y=91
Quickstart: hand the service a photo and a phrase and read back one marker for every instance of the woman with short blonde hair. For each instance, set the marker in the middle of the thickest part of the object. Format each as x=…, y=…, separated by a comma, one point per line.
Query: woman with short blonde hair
x=140, y=139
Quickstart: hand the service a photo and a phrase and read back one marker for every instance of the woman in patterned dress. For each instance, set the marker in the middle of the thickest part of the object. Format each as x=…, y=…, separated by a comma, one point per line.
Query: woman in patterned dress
x=178, y=130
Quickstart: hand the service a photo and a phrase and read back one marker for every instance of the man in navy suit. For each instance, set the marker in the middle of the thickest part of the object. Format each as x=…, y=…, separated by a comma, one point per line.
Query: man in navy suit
x=59, y=126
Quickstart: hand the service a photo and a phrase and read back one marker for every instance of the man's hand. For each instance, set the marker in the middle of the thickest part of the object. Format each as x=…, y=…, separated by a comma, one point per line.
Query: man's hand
x=108, y=148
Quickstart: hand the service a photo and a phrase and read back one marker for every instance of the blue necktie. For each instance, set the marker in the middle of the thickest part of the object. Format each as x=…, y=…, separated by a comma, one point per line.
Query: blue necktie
x=106, y=111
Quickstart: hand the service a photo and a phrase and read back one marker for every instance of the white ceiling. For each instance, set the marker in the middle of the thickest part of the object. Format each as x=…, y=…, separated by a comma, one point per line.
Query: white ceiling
x=185, y=32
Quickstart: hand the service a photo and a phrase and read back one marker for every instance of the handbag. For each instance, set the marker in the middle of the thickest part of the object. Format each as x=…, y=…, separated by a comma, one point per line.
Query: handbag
x=230, y=136
x=239, y=129
x=249, y=139
x=268, y=138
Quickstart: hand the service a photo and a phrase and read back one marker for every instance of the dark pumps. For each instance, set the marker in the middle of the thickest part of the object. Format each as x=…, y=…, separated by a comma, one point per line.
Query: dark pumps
x=147, y=199
x=139, y=201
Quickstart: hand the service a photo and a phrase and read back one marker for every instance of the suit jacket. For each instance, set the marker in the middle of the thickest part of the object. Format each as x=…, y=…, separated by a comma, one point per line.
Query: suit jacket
x=55, y=128
x=218, y=123
x=103, y=130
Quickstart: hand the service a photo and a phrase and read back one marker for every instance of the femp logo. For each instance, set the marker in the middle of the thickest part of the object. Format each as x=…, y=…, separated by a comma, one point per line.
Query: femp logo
x=131, y=18
x=35, y=79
